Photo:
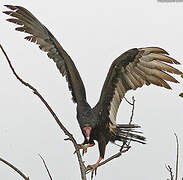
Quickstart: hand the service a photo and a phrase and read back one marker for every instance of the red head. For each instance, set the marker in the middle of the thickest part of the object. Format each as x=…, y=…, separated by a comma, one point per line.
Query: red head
x=87, y=131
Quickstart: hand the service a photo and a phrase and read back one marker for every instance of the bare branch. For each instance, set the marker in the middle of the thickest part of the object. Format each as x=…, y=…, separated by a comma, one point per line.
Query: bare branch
x=62, y=127
x=133, y=108
x=46, y=167
x=114, y=156
x=177, y=161
x=15, y=169
x=177, y=157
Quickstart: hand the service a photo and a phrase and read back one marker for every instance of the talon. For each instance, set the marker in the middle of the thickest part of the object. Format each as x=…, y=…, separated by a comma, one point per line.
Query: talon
x=84, y=148
x=92, y=169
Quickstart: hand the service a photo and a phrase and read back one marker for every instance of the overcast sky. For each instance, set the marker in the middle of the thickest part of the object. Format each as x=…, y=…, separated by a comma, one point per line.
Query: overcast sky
x=93, y=33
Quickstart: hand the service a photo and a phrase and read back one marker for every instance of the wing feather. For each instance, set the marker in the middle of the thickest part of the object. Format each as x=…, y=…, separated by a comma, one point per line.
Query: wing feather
x=160, y=66
x=157, y=73
x=40, y=35
x=132, y=70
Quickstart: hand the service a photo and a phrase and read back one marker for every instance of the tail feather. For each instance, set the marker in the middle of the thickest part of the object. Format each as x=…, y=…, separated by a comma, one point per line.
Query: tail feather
x=127, y=132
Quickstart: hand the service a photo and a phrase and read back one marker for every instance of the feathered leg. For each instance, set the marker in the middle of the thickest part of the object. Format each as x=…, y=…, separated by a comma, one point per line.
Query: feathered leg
x=102, y=145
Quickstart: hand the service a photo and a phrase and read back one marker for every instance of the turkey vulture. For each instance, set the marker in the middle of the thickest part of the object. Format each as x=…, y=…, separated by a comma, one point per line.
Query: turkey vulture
x=131, y=70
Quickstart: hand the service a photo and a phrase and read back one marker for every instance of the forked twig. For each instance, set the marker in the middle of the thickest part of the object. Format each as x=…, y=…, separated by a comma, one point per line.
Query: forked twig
x=177, y=161
x=62, y=127
x=128, y=101
x=170, y=171
x=15, y=169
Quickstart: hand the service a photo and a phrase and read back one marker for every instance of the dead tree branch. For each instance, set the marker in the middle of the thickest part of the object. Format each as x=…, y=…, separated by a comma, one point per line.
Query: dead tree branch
x=62, y=127
x=15, y=169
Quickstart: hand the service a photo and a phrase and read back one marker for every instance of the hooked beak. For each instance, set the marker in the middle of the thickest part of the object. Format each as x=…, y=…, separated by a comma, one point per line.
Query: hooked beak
x=87, y=131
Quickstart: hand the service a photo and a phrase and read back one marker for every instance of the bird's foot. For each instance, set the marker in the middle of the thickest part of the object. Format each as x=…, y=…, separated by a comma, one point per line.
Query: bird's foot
x=84, y=148
x=92, y=169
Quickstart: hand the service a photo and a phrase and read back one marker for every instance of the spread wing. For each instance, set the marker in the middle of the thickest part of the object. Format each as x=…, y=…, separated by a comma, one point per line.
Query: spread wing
x=40, y=35
x=132, y=70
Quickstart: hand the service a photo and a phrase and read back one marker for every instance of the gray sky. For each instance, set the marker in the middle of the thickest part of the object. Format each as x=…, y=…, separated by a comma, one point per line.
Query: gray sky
x=93, y=33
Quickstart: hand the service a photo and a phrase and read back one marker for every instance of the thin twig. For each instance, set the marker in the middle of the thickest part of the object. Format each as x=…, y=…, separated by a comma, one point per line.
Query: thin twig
x=114, y=156
x=133, y=108
x=128, y=101
x=15, y=169
x=170, y=171
x=62, y=127
x=177, y=157
x=49, y=174
x=131, y=118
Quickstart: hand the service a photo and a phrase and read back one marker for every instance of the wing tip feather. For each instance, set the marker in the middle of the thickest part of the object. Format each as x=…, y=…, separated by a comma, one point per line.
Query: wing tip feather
x=153, y=50
x=166, y=85
x=7, y=12
x=10, y=6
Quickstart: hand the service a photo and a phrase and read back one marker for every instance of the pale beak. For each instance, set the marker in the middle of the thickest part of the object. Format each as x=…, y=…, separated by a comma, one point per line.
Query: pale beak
x=88, y=138
x=87, y=131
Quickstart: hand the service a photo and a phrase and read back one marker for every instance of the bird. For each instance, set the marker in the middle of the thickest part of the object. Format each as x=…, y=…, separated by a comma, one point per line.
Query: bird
x=131, y=70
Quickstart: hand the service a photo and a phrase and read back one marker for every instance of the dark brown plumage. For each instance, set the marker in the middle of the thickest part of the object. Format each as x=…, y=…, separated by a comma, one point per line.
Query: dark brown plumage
x=130, y=70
